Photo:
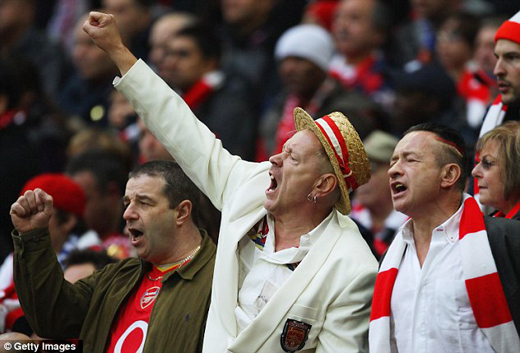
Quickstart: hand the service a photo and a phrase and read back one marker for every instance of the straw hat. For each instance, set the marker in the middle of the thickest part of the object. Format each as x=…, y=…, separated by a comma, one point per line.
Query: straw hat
x=344, y=149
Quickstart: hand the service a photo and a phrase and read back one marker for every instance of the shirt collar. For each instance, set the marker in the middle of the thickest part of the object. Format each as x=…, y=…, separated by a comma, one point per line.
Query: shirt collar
x=447, y=231
x=294, y=254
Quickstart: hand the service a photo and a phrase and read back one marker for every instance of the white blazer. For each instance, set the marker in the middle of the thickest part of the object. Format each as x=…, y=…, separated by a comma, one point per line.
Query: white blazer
x=331, y=289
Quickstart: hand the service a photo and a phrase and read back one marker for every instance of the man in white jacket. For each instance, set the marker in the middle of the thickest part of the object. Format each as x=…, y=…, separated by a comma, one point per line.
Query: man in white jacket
x=292, y=271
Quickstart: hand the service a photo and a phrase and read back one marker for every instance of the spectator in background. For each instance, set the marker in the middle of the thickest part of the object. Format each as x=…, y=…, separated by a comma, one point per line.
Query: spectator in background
x=250, y=30
x=303, y=53
x=506, y=106
x=32, y=134
x=149, y=147
x=484, y=53
x=64, y=16
x=497, y=170
x=360, y=29
x=372, y=203
x=97, y=138
x=321, y=12
x=455, y=48
x=135, y=19
x=85, y=96
x=19, y=35
x=123, y=119
x=101, y=175
x=111, y=310
x=82, y=263
x=163, y=29
x=415, y=40
x=192, y=67
x=428, y=94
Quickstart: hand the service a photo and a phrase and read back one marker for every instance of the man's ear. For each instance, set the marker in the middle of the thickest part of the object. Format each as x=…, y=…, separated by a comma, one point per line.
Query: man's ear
x=183, y=211
x=450, y=175
x=325, y=184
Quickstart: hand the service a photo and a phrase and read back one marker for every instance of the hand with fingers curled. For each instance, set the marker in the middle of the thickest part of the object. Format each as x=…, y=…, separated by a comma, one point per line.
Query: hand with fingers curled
x=32, y=210
x=103, y=30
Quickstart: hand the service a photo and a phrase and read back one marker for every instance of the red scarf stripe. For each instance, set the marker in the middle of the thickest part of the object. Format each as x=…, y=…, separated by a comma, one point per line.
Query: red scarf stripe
x=488, y=301
x=498, y=100
x=381, y=300
x=472, y=220
x=198, y=93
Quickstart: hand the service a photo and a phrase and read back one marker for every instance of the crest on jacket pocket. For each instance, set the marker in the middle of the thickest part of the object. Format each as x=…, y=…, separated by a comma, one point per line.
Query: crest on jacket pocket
x=294, y=335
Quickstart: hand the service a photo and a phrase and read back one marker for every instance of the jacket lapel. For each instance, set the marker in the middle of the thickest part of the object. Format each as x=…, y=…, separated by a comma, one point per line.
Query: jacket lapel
x=227, y=299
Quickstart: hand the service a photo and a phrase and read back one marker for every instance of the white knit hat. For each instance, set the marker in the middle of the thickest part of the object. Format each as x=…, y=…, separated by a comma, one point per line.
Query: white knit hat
x=307, y=41
x=510, y=29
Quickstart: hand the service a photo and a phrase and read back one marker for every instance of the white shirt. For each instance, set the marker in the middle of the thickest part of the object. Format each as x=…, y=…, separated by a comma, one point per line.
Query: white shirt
x=430, y=309
x=263, y=272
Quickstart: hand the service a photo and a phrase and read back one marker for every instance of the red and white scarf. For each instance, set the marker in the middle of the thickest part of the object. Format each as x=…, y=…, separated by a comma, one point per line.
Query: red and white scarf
x=495, y=115
x=203, y=88
x=483, y=285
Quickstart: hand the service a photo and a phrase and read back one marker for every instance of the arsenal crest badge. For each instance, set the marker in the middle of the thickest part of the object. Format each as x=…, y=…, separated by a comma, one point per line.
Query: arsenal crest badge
x=294, y=335
x=149, y=296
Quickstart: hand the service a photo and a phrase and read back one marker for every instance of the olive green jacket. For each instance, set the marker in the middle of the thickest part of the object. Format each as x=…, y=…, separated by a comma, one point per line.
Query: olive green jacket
x=57, y=309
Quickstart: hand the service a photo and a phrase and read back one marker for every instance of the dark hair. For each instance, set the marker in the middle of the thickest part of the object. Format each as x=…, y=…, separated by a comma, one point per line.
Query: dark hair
x=454, y=150
x=107, y=167
x=178, y=186
x=205, y=39
x=98, y=259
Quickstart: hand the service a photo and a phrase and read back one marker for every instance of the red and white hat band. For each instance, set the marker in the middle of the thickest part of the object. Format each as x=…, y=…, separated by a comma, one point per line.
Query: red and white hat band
x=510, y=29
x=333, y=135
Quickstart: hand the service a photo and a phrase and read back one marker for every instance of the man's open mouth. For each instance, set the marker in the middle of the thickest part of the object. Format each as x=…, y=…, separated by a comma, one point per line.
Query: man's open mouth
x=274, y=183
x=397, y=188
x=135, y=233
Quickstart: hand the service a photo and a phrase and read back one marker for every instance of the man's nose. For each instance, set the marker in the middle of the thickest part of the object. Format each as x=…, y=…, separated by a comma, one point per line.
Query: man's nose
x=499, y=68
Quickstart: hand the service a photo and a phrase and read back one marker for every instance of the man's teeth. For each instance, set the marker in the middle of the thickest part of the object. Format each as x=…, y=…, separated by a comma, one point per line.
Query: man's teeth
x=399, y=187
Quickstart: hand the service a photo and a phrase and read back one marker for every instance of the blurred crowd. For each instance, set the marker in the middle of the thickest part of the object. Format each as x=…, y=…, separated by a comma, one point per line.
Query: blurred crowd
x=242, y=66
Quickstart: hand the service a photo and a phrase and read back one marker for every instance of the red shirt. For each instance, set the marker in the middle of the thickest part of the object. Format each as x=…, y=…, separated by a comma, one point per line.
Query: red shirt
x=128, y=333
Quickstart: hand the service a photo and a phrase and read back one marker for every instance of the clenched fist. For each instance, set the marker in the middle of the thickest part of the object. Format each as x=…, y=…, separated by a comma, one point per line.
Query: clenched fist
x=31, y=211
x=102, y=28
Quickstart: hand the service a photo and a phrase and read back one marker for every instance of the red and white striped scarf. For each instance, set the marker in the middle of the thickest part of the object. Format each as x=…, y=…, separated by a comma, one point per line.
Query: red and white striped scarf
x=495, y=115
x=485, y=292
x=203, y=88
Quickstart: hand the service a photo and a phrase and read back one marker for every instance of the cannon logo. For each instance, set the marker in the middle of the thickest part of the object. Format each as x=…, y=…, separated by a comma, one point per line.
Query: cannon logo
x=149, y=297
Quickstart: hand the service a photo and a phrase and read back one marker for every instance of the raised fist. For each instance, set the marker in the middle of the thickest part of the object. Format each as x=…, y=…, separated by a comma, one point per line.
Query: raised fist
x=31, y=211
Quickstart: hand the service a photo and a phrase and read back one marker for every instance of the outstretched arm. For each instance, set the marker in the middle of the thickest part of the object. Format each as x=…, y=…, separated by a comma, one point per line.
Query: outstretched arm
x=102, y=28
